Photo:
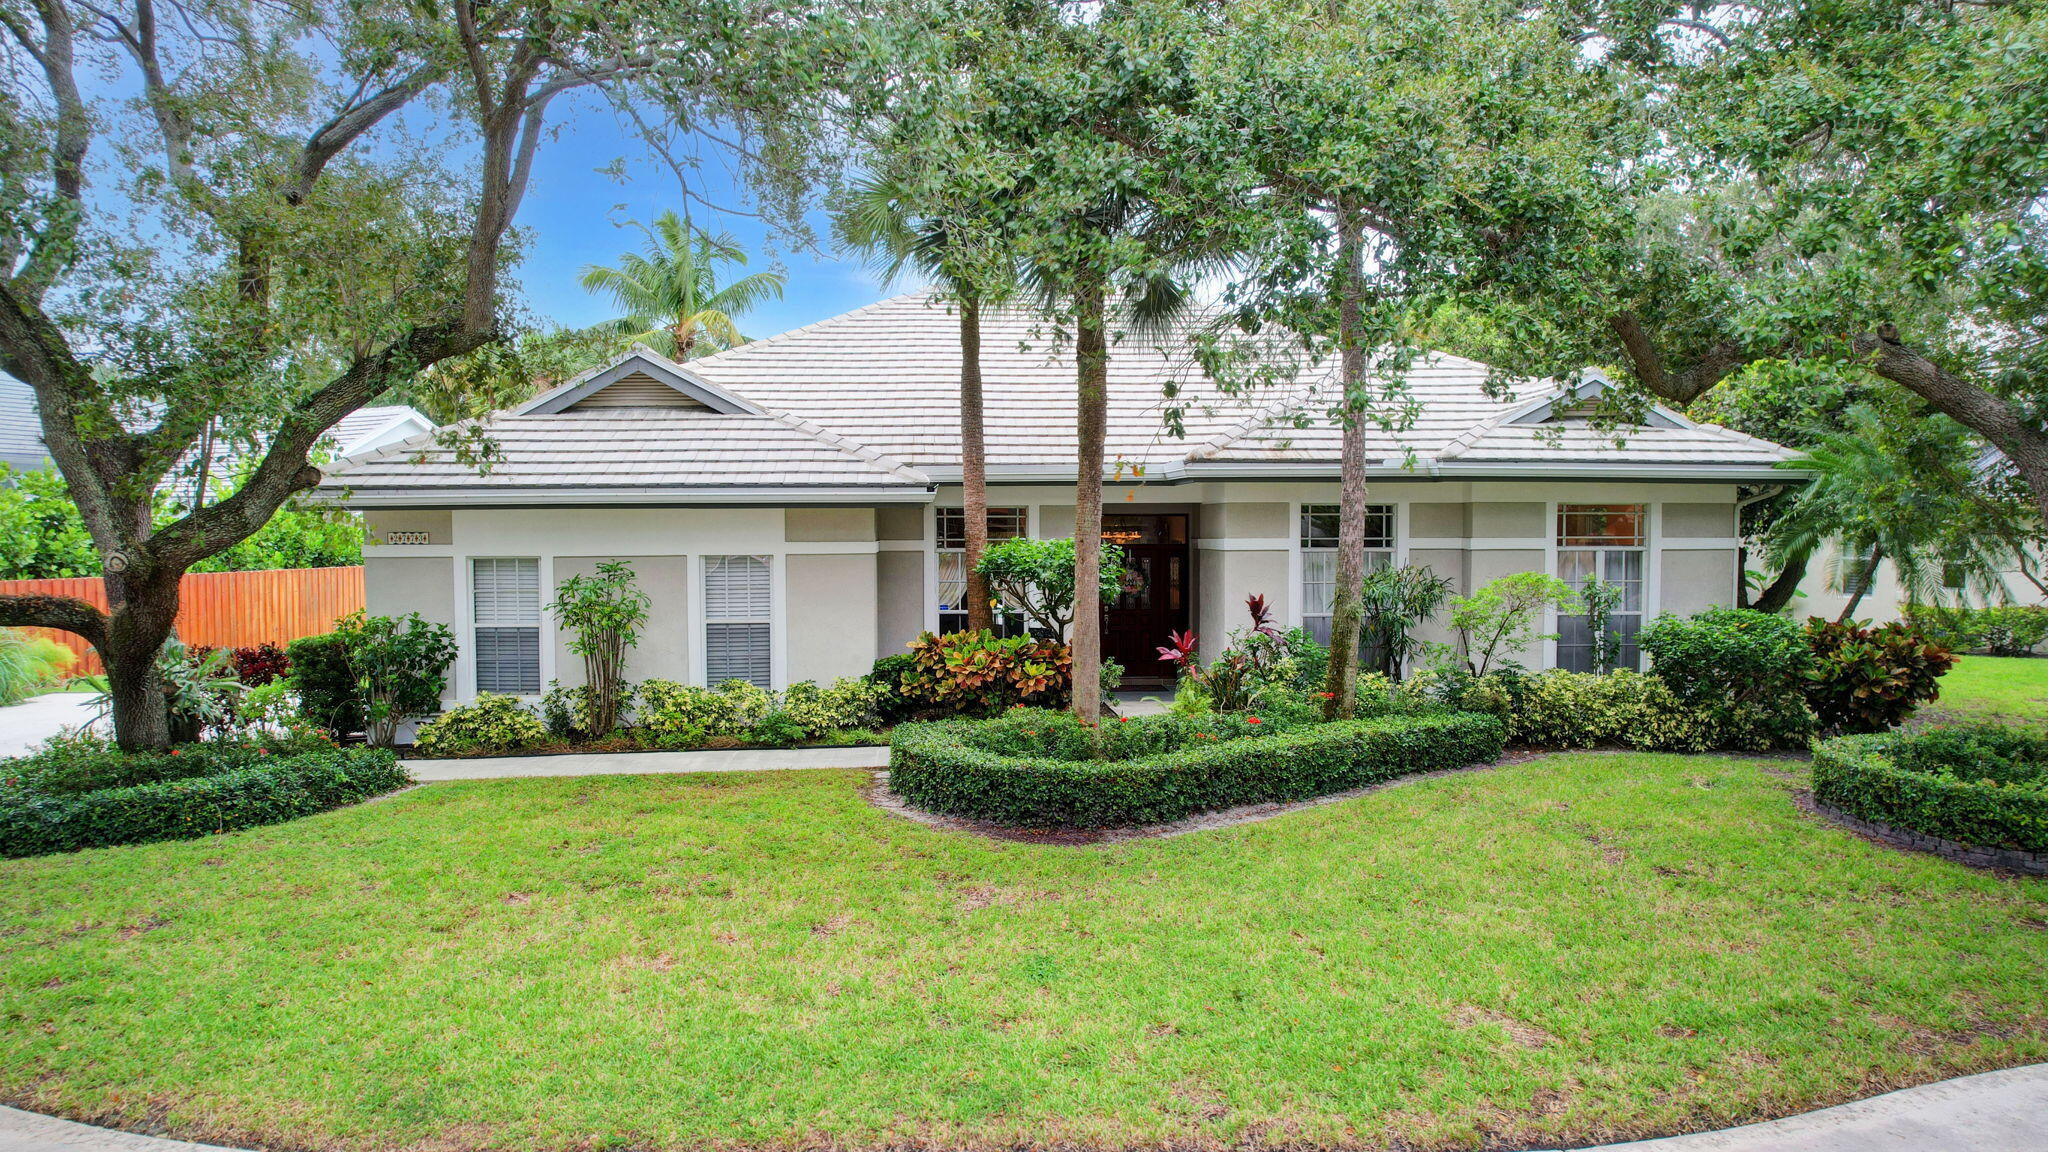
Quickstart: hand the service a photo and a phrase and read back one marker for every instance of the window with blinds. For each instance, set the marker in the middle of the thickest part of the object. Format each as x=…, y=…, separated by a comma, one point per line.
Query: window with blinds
x=1003, y=524
x=737, y=623
x=1319, y=524
x=505, y=620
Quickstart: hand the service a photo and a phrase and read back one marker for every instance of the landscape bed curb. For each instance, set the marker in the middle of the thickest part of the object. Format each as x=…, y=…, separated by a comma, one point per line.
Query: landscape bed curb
x=1971, y=855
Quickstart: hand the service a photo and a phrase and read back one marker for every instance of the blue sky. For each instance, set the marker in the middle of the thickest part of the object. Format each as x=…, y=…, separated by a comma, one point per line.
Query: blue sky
x=580, y=213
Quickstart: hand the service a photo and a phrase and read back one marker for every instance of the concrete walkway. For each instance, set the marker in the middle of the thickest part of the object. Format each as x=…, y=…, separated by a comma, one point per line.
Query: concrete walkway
x=36, y=719
x=647, y=763
x=1994, y=1112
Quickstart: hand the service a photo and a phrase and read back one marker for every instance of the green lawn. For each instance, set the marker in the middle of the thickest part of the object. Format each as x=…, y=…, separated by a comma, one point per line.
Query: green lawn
x=1586, y=946
x=2012, y=689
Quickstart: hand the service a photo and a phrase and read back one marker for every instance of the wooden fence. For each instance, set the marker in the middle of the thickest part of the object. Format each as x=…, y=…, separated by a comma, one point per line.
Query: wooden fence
x=225, y=609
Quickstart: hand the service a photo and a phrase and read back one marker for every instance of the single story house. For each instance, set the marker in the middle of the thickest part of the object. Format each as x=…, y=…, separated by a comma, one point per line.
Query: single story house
x=792, y=506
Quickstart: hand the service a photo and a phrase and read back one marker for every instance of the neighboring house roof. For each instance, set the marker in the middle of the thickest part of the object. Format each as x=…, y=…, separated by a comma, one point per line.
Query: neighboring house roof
x=639, y=435
x=21, y=430
x=869, y=401
x=368, y=429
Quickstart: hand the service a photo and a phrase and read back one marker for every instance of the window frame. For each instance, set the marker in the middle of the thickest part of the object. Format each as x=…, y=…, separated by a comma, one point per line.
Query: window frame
x=764, y=619
x=1377, y=556
x=538, y=627
x=1599, y=547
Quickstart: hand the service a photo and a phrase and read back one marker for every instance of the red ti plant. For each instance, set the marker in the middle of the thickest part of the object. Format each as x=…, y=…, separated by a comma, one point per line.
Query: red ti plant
x=1262, y=616
x=1180, y=651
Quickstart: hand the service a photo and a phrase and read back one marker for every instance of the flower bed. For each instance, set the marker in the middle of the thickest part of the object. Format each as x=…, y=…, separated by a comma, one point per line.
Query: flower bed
x=1036, y=768
x=73, y=795
x=1982, y=786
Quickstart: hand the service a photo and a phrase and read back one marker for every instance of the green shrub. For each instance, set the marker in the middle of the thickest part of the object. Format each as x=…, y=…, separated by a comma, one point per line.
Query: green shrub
x=1559, y=709
x=846, y=703
x=1982, y=786
x=47, y=809
x=1870, y=679
x=778, y=729
x=897, y=703
x=981, y=673
x=29, y=664
x=1042, y=775
x=672, y=713
x=488, y=724
x=570, y=711
x=1726, y=655
x=320, y=673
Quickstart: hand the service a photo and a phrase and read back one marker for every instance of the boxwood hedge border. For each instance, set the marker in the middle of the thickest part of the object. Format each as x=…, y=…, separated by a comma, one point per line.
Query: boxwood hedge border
x=293, y=785
x=1986, y=824
x=934, y=768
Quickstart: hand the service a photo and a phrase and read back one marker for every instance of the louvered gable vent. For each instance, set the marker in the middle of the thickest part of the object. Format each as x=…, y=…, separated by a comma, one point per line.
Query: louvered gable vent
x=638, y=390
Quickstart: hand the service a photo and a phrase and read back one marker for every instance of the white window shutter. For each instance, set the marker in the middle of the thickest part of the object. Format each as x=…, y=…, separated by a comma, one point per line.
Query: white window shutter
x=738, y=601
x=505, y=610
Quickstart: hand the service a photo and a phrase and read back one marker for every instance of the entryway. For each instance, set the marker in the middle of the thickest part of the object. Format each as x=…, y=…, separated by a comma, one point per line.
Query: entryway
x=1156, y=597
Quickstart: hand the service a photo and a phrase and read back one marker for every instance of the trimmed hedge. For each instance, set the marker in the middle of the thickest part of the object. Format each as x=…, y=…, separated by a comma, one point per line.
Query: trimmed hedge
x=945, y=767
x=1976, y=790
x=34, y=822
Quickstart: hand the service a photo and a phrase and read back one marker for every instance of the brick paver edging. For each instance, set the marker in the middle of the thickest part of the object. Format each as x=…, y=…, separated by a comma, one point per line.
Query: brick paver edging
x=2010, y=859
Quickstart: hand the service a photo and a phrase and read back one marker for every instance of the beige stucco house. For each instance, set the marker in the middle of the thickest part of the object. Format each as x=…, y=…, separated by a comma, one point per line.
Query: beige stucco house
x=792, y=505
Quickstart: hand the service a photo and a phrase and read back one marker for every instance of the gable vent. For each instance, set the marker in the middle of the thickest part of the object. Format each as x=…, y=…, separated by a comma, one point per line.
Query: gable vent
x=638, y=390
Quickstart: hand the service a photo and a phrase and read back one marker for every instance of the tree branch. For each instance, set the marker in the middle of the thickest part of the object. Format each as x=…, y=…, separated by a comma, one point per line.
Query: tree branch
x=64, y=613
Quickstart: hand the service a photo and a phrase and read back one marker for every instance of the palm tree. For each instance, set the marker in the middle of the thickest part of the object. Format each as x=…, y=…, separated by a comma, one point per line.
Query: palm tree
x=878, y=219
x=671, y=296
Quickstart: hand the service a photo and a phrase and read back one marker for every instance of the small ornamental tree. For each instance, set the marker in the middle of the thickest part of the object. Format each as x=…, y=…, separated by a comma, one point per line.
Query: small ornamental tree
x=400, y=667
x=1503, y=615
x=605, y=612
x=1395, y=602
x=1037, y=578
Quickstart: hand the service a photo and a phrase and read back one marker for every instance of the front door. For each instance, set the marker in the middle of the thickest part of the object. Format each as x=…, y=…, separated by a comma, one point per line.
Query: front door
x=1153, y=600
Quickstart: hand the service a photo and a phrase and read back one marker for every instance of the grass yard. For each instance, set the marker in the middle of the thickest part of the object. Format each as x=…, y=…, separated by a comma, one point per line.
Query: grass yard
x=2011, y=689
x=1577, y=948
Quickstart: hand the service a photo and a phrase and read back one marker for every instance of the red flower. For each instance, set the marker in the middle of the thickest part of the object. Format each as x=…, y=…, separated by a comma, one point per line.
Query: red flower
x=174, y=751
x=1123, y=719
x=1326, y=695
x=1251, y=719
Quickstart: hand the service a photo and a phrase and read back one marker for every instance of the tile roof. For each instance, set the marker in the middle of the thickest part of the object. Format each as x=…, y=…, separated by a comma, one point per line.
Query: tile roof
x=871, y=398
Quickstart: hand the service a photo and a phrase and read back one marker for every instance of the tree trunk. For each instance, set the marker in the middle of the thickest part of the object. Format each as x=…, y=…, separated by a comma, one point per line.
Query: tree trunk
x=144, y=611
x=1779, y=592
x=1869, y=574
x=1348, y=610
x=973, y=464
x=1091, y=387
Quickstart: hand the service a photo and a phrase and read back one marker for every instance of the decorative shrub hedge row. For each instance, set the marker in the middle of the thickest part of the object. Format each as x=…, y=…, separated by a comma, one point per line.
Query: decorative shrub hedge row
x=242, y=794
x=1180, y=765
x=1981, y=786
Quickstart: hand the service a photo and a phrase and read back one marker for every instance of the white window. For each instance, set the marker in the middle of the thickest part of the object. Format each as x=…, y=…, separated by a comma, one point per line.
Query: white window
x=505, y=623
x=1003, y=524
x=1604, y=541
x=1319, y=527
x=737, y=621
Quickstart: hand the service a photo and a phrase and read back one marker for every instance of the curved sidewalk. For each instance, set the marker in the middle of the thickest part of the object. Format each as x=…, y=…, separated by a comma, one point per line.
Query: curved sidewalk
x=648, y=763
x=2004, y=1111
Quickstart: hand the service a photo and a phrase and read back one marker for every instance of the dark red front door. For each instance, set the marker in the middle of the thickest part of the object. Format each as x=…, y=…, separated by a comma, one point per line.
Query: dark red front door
x=1153, y=600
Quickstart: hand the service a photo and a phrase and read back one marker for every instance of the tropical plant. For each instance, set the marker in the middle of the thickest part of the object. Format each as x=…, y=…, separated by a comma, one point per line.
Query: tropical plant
x=879, y=218
x=199, y=686
x=1394, y=602
x=980, y=673
x=673, y=297
x=1727, y=654
x=1503, y=616
x=1599, y=598
x=1870, y=679
x=1257, y=662
x=1038, y=578
x=604, y=613
x=489, y=723
x=29, y=664
x=399, y=666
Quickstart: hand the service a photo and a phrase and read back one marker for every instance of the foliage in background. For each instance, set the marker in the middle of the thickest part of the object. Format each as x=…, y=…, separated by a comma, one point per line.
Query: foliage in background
x=1985, y=786
x=41, y=535
x=2001, y=630
x=1036, y=577
x=1502, y=617
x=1870, y=679
x=1395, y=602
x=675, y=297
x=604, y=614
x=326, y=685
x=29, y=665
x=1559, y=709
x=1598, y=599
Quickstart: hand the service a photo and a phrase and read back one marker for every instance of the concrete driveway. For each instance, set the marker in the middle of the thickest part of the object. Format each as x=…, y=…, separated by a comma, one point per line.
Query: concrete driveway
x=24, y=725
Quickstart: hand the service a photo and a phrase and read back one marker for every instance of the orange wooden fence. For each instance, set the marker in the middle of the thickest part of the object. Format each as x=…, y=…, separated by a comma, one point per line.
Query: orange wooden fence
x=225, y=609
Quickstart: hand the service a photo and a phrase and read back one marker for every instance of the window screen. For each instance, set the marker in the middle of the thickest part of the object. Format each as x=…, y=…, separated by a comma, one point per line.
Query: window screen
x=505, y=615
x=736, y=620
